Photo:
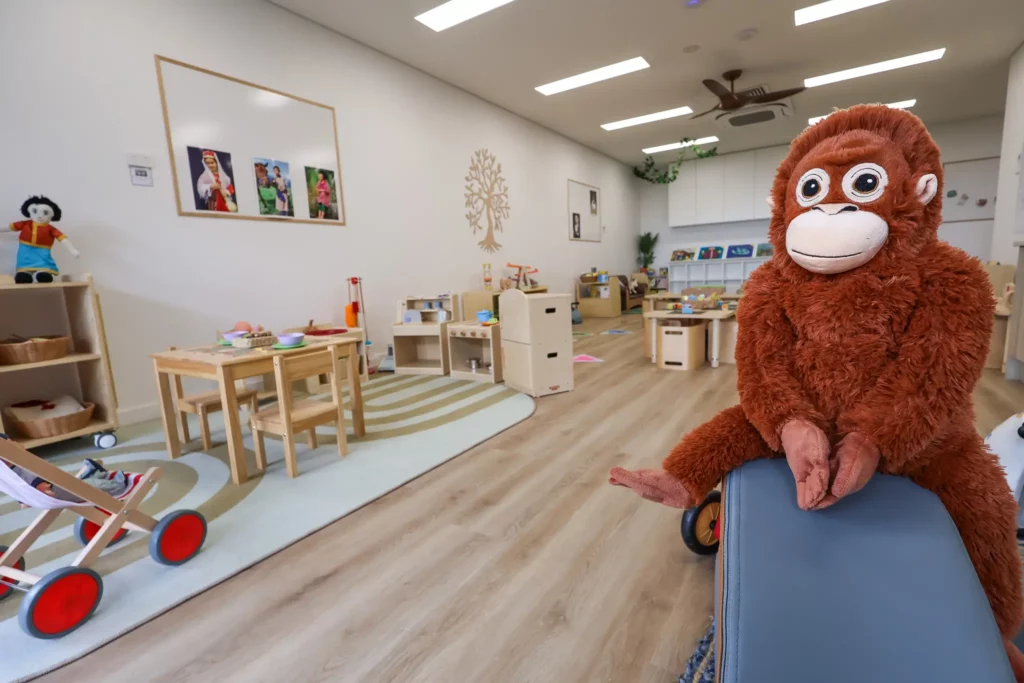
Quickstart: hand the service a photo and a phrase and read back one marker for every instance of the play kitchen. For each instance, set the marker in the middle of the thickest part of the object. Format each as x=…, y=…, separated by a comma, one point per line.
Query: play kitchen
x=474, y=351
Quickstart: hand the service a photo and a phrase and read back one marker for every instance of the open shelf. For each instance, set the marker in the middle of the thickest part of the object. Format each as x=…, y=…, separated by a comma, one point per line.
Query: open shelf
x=46, y=285
x=93, y=427
x=420, y=367
x=70, y=358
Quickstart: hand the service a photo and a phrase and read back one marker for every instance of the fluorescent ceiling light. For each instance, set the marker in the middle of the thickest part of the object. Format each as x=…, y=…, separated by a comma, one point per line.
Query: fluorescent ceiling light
x=831, y=8
x=678, y=145
x=602, y=74
x=905, y=104
x=457, y=11
x=859, y=71
x=648, y=118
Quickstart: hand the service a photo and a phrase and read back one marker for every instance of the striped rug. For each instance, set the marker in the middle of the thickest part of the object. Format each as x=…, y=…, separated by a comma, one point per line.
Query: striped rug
x=413, y=425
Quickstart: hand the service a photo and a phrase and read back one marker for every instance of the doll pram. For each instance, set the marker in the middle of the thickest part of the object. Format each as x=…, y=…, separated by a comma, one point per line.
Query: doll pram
x=876, y=588
x=59, y=602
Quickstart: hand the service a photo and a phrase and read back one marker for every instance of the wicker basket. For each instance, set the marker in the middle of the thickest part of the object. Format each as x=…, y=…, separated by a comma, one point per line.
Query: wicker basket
x=254, y=342
x=15, y=352
x=50, y=426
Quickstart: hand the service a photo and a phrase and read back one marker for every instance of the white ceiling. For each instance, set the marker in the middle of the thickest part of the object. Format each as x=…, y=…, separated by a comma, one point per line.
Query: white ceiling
x=503, y=55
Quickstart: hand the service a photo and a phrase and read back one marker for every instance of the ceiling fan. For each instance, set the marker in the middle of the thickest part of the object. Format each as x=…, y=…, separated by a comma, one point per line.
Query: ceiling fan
x=730, y=100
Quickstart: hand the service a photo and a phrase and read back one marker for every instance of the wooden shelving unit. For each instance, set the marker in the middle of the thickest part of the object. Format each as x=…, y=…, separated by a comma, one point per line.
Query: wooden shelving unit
x=473, y=340
x=421, y=348
x=731, y=272
x=67, y=308
x=430, y=308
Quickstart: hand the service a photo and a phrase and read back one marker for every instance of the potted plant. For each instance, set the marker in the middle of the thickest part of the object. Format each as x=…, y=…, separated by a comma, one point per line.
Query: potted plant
x=647, y=242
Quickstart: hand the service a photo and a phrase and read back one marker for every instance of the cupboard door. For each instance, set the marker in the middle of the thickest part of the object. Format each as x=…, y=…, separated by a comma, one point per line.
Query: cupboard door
x=682, y=197
x=765, y=163
x=738, y=187
x=710, y=193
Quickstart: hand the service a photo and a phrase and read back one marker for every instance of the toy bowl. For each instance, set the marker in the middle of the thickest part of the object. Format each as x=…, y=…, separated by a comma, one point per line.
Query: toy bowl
x=234, y=334
x=290, y=338
x=483, y=316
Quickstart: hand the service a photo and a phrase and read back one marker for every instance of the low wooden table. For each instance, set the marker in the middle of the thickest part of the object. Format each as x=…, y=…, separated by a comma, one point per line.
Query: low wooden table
x=225, y=365
x=715, y=316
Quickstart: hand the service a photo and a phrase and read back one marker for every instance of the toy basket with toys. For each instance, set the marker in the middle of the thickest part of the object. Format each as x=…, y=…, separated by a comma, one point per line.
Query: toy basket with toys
x=17, y=350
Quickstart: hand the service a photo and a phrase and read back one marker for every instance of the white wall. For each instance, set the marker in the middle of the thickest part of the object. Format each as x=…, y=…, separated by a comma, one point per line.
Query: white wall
x=74, y=108
x=1009, y=224
x=978, y=138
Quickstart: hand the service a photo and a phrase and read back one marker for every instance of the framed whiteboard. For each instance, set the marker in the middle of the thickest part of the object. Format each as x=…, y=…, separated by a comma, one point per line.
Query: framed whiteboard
x=969, y=190
x=240, y=150
x=584, y=212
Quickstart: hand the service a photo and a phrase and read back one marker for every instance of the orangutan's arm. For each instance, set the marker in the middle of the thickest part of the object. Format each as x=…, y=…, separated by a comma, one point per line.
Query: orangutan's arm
x=769, y=393
x=941, y=357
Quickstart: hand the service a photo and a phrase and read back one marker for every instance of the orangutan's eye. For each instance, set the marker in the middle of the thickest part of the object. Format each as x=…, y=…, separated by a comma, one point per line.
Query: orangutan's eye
x=812, y=188
x=865, y=182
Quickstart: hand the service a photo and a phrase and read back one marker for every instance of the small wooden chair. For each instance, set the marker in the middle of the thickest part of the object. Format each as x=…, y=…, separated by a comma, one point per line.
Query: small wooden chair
x=288, y=417
x=203, y=404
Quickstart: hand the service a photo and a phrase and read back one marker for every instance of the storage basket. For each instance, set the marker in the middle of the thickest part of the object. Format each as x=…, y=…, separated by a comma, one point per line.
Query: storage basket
x=16, y=351
x=50, y=426
x=254, y=342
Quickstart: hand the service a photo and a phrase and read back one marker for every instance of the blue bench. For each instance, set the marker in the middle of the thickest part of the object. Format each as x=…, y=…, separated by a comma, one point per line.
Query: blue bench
x=876, y=589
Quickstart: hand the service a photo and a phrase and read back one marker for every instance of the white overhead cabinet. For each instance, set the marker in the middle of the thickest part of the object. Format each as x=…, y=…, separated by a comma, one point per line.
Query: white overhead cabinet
x=724, y=189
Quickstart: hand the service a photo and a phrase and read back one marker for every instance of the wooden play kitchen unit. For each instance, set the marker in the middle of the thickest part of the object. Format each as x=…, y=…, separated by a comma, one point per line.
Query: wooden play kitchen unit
x=421, y=334
x=474, y=352
x=68, y=311
x=661, y=318
x=225, y=365
x=536, y=344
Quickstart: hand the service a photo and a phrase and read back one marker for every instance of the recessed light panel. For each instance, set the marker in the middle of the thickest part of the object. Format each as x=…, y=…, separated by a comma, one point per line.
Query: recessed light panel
x=602, y=74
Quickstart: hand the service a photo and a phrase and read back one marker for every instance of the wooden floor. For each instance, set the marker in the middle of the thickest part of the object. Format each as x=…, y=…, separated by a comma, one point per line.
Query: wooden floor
x=515, y=562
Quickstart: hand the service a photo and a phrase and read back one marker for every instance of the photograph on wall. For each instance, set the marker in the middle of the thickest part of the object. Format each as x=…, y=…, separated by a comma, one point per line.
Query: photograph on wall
x=212, y=187
x=575, y=226
x=593, y=202
x=765, y=250
x=273, y=187
x=740, y=251
x=322, y=193
x=710, y=253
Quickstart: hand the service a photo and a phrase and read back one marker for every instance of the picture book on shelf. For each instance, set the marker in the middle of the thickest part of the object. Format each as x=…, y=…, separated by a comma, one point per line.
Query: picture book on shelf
x=740, y=251
x=682, y=255
x=764, y=249
x=710, y=253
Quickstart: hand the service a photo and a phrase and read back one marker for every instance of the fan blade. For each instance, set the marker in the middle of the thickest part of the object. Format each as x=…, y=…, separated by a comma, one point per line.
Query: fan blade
x=704, y=113
x=774, y=96
x=714, y=86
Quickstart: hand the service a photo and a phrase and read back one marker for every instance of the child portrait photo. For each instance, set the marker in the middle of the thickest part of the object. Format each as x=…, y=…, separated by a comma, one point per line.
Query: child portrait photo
x=273, y=187
x=593, y=202
x=575, y=226
x=322, y=193
x=212, y=186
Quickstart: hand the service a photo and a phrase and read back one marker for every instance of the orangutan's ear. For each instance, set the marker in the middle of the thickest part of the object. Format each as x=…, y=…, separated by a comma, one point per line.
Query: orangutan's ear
x=771, y=202
x=927, y=186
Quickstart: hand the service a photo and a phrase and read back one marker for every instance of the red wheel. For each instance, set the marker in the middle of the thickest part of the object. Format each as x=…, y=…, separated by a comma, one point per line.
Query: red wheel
x=85, y=530
x=6, y=585
x=64, y=600
x=178, y=537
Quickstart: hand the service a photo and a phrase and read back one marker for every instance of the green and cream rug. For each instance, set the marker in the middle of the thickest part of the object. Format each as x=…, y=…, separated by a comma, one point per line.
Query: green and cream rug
x=413, y=425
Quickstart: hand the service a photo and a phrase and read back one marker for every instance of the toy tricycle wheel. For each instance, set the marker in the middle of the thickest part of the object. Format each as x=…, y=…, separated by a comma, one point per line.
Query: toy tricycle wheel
x=60, y=603
x=178, y=537
x=700, y=523
x=104, y=440
x=6, y=585
x=85, y=530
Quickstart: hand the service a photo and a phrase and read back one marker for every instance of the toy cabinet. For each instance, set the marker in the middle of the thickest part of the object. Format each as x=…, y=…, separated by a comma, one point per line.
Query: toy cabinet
x=430, y=309
x=681, y=345
x=474, y=352
x=69, y=309
x=421, y=348
x=599, y=299
x=536, y=342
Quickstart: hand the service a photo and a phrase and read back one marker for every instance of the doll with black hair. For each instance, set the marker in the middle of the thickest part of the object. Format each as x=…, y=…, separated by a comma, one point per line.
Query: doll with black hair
x=36, y=238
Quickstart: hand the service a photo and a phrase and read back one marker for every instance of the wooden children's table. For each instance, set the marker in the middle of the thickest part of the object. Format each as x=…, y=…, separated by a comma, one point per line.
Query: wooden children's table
x=716, y=316
x=225, y=365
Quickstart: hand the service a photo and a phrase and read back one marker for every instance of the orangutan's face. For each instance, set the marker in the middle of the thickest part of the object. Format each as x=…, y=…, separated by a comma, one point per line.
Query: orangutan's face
x=841, y=200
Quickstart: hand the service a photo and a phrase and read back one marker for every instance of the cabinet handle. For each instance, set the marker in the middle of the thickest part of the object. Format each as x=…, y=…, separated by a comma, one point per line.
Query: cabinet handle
x=553, y=355
x=549, y=310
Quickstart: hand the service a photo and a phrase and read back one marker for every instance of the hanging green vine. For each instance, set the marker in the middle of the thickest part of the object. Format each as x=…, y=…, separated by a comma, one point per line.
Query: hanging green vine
x=667, y=175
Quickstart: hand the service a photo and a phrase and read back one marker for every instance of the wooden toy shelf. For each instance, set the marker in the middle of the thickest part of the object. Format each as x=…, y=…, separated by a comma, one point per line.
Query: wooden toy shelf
x=68, y=308
x=468, y=341
x=421, y=348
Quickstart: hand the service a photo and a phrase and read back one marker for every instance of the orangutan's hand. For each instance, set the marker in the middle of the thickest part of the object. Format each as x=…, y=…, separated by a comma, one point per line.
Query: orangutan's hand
x=656, y=485
x=807, y=449
x=851, y=466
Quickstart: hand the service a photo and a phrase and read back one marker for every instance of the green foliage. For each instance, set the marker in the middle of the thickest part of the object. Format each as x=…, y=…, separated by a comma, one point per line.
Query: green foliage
x=668, y=175
x=647, y=242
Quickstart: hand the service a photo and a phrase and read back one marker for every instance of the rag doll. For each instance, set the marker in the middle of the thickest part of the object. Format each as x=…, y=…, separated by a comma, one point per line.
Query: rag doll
x=859, y=345
x=36, y=237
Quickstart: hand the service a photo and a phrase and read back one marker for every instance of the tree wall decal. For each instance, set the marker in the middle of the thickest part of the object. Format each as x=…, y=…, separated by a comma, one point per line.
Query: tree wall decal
x=486, y=198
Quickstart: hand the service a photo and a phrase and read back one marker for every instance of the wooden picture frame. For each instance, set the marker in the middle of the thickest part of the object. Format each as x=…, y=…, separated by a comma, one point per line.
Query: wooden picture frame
x=580, y=211
x=160, y=61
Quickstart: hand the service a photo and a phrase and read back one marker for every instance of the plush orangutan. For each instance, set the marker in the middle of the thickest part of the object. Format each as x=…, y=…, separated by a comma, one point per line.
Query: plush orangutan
x=859, y=345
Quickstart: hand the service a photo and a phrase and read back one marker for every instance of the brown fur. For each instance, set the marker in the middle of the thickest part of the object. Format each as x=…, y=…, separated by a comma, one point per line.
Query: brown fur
x=890, y=350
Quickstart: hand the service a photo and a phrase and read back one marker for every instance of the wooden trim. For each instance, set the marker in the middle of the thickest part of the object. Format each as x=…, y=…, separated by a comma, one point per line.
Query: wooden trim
x=159, y=59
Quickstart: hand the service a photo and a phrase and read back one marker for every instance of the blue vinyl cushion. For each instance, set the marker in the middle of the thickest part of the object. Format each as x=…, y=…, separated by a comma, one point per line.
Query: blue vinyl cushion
x=876, y=589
